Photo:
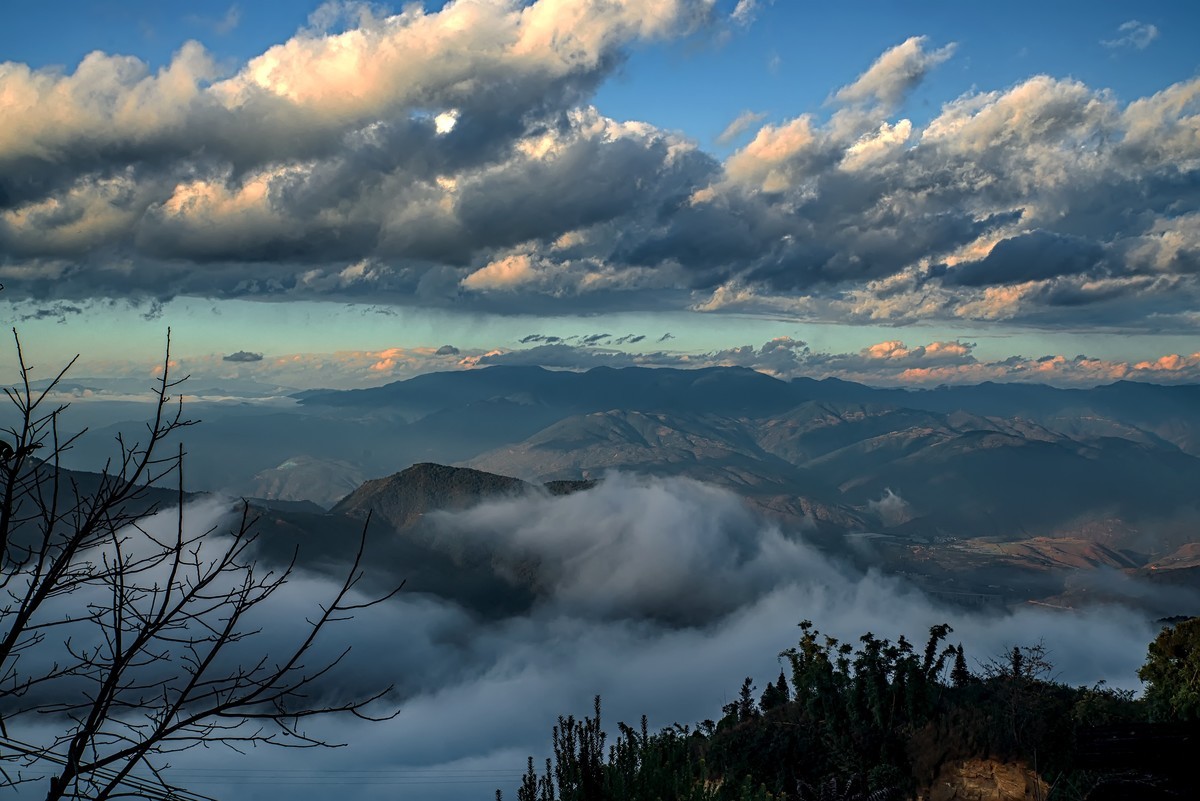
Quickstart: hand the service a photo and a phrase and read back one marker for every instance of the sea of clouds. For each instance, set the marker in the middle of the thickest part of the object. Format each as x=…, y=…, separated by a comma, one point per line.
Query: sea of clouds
x=660, y=595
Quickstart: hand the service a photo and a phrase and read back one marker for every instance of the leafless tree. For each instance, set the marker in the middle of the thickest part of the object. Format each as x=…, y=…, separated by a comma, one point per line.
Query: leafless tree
x=137, y=644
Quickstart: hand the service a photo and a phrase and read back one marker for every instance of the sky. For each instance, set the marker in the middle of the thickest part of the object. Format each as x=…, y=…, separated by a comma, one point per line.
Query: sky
x=344, y=194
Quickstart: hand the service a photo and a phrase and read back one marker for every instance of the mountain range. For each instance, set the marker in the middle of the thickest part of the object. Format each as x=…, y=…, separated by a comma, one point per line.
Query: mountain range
x=948, y=485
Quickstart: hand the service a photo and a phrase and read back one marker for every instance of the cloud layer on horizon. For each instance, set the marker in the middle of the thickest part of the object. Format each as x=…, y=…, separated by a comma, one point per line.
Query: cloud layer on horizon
x=451, y=158
x=887, y=363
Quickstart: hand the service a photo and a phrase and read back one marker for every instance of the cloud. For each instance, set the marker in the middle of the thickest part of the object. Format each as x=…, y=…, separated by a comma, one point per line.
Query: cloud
x=895, y=73
x=658, y=594
x=640, y=559
x=1036, y=255
x=222, y=26
x=745, y=12
x=594, y=339
x=323, y=87
x=740, y=124
x=559, y=354
x=888, y=363
x=56, y=311
x=1046, y=204
x=1132, y=34
x=891, y=509
x=508, y=273
x=278, y=375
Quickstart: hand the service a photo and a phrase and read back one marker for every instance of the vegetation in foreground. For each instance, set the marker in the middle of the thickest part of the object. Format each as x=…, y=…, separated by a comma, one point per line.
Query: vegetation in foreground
x=883, y=720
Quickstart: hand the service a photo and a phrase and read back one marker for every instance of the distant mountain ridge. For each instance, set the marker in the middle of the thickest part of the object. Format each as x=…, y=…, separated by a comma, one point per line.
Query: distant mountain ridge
x=459, y=416
x=403, y=498
x=1171, y=412
x=710, y=389
x=1115, y=466
x=948, y=475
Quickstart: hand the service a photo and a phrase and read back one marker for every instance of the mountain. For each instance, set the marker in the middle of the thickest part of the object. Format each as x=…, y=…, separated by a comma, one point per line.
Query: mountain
x=995, y=484
x=821, y=428
x=920, y=481
x=708, y=448
x=1171, y=413
x=402, y=499
x=305, y=478
x=729, y=390
x=463, y=416
x=390, y=513
x=327, y=542
x=989, y=563
x=925, y=475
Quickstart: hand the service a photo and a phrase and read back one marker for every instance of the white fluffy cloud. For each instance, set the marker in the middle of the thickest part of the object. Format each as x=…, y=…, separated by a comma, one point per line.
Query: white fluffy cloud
x=895, y=73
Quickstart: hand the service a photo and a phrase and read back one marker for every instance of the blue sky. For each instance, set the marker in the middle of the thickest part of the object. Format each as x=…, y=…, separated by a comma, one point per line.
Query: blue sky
x=784, y=62
x=1027, y=217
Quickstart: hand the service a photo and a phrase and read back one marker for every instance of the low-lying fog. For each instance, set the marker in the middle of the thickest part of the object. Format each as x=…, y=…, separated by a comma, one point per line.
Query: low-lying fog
x=661, y=596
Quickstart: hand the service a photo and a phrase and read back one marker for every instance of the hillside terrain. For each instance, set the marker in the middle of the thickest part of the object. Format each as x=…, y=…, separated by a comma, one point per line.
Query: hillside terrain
x=994, y=491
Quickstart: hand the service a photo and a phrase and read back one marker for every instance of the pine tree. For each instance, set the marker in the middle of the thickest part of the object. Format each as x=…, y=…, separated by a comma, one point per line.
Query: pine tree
x=746, y=708
x=529, y=784
x=785, y=694
x=1016, y=663
x=770, y=699
x=960, y=675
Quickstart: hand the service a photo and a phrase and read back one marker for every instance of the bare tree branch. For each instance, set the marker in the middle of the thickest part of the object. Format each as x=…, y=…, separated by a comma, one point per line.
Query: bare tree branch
x=148, y=631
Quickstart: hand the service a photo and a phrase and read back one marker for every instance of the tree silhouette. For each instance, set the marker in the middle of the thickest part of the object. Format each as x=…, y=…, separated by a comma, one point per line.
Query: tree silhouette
x=1172, y=672
x=137, y=643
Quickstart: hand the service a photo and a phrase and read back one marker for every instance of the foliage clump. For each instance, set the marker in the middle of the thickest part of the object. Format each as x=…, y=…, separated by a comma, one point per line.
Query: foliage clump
x=868, y=722
x=1172, y=672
